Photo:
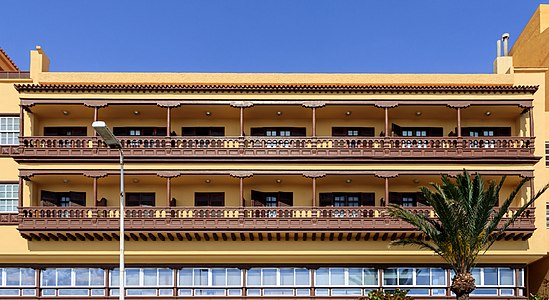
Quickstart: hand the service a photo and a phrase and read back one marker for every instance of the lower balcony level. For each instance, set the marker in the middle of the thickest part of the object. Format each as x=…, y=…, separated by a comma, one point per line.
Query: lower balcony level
x=230, y=223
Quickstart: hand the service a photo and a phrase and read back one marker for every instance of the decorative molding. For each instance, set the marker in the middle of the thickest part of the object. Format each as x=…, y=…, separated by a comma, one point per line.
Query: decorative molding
x=95, y=103
x=95, y=174
x=241, y=174
x=242, y=104
x=386, y=104
x=26, y=174
x=167, y=104
x=168, y=174
x=313, y=104
x=386, y=174
x=459, y=104
x=314, y=174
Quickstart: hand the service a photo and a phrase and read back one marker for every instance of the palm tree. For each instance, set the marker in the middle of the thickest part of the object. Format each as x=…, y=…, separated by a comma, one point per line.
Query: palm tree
x=467, y=223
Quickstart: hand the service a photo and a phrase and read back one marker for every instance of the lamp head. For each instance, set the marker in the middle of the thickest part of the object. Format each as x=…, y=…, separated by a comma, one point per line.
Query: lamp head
x=106, y=134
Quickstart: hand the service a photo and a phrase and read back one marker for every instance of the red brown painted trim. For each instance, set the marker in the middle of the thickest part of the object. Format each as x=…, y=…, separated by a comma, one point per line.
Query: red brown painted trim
x=281, y=88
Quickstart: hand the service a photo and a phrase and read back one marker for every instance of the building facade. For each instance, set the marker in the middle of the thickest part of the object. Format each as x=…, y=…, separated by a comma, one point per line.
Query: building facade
x=262, y=185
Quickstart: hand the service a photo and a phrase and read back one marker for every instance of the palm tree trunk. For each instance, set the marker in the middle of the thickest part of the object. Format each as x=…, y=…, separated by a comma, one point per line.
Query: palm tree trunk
x=463, y=297
x=462, y=285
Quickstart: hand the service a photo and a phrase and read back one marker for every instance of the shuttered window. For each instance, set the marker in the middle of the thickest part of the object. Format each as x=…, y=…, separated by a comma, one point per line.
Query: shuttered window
x=347, y=199
x=209, y=199
x=272, y=199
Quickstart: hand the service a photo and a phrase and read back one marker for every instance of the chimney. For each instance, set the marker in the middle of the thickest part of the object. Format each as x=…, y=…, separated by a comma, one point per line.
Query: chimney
x=503, y=63
x=39, y=62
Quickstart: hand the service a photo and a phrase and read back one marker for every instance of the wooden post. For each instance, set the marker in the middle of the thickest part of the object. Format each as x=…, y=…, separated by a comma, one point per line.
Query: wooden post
x=314, y=191
x=241, y=183
x=458, y=122
x=95, y=117
x=21, y=121
x=386, y=121
x=169, y=122
x=94, y=191
x=531, y=117
x=241, y=121
x=314, y=122
x=386, y=191
x=169, y=190
x=532, y=191
x=20, y=192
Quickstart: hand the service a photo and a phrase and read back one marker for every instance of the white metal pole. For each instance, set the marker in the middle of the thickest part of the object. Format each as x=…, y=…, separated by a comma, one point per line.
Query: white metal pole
x=122, y=213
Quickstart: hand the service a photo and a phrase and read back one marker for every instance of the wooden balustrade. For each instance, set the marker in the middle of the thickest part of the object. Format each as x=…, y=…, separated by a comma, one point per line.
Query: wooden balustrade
x=37, y=147
x=227, y=220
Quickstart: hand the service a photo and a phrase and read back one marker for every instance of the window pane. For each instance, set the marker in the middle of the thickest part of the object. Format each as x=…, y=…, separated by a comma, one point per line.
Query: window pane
x=64, y=277
x=234, y=277
x=370, y=277
x=506, y=276
x=165, y=277
x=82, y=277
x=422, y=276
x=337, y=276
x=48, y=277
x=13, y=277
x=390, y=277
x=438, y=277
x=490, y=276
x=114, y=277
x=269, y=276
x=302, y=277
x=97, y=277
x=254, y=276
x=28, y=277
x=149, y=277
x=322, y=276
x=186, y=277
x=201, y=277
x=355, y=276
x=405, y=277
x=476, y=275
x=287, y=276
x=132, y=277
x=218, y=277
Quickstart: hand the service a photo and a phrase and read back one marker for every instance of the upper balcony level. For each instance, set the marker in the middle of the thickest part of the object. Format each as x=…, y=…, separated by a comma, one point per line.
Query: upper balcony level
x=486, y=130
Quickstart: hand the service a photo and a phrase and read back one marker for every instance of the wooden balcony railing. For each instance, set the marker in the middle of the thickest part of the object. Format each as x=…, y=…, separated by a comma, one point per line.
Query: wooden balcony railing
x=310, y=147
x=14, y=75
x=45, y=223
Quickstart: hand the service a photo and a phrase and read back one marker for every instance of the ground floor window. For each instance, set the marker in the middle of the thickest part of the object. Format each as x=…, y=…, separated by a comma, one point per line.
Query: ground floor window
x=269, y=281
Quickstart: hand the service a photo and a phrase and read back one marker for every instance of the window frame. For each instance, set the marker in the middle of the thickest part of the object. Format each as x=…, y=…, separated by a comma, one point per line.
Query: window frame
x=9, y=136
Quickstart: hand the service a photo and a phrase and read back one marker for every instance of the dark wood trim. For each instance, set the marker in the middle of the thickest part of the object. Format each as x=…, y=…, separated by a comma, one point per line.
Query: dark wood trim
x=458, y=122
x=21, y=121
x=531, y=119
x=379, y=173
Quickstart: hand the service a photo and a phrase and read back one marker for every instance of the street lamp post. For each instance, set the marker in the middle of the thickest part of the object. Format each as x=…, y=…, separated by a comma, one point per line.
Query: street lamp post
x=111, y=141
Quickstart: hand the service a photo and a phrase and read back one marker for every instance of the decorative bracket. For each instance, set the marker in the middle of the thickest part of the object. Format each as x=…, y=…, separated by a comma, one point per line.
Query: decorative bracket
x=94, y=103
x=313, y=104
x=386, y=174
x=167, y=104
x=95, y=174
x=26, y=174
x=314, y=174
x=459, y=104
x=168, y=174
x=386, y=104
x=242, y=104
x=241, y=174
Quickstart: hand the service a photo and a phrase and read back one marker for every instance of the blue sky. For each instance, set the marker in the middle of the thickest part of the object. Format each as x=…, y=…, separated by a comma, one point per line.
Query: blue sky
x=344, y=36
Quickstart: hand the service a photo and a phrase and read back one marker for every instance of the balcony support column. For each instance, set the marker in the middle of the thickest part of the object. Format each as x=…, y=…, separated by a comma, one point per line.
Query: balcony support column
x=20, y=192
x=314, y=123
x=313, y=175
x=386, y=121
x=531, y=119
x=386, y=203
x=241, y=175
x=94, y=191
x=168, y=121
x=241, y=191
x=21, y=121
x=169, y=191
x=458, y=122
x=242, y=121
x=532, y=191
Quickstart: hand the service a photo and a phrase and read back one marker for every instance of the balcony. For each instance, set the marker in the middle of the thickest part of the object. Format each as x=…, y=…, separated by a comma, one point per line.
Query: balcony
x=249, y=147
x=229, y=223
